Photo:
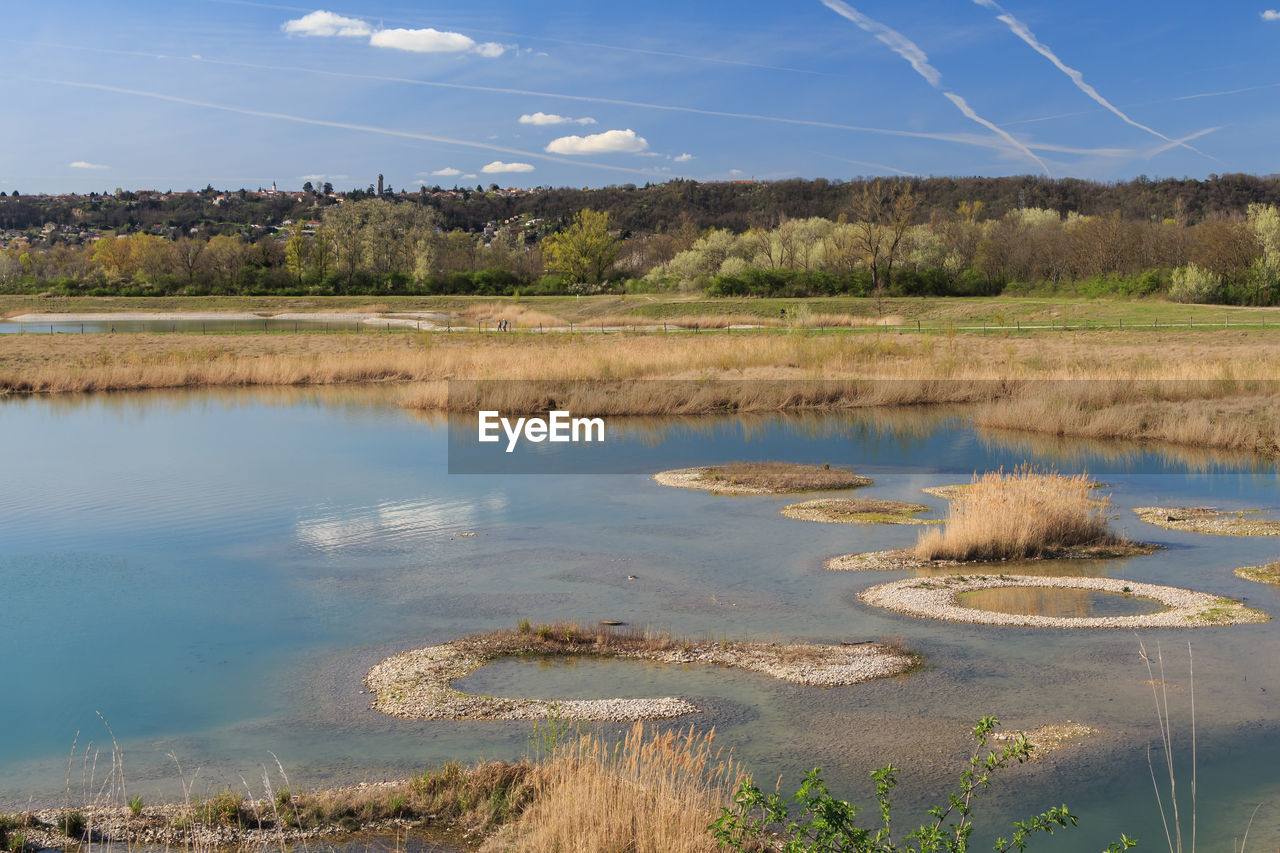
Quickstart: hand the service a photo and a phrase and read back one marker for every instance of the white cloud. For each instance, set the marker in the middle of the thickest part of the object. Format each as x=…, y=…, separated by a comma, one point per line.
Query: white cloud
x=683, y=158
x=1271, y=15
x=497, y=167
x=542, y=119
x=311, y=177
x=81, y=164
x=322, y=23
x=447, y=172
x=735, y=171
x=609, y=142
x=422, y=41
x=471, y=176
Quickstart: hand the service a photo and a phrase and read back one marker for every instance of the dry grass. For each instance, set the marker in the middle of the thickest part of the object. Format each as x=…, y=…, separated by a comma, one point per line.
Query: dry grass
x=561, y=638
x=371, y=308
x=1023, y=514
x=519, y=316
x=826, y=320
x=783, y=476
x=1194, y=388
x=656, y=792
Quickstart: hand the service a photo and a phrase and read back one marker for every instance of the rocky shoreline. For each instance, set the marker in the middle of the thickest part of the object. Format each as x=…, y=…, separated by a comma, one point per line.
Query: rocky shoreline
x=417, y=684
x=935, y=598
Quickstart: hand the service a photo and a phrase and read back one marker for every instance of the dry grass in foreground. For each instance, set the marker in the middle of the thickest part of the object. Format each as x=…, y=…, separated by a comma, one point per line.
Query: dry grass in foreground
x=656, y=792
x=1022, y=514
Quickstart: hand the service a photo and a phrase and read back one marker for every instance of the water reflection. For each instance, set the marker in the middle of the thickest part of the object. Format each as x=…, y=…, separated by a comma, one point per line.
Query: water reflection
x=1057, y=601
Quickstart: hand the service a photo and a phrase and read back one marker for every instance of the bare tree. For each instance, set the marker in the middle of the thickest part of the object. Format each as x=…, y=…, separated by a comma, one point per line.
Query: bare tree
x=882, y=213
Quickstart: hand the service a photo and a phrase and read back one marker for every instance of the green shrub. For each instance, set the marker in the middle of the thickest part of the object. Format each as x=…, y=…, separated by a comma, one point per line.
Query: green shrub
x=135, y=805
x=71, y=824
x=826, y=825
x=1194, y=285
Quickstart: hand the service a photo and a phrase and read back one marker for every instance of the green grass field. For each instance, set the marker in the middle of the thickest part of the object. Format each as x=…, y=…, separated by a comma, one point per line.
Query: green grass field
x=929, y=312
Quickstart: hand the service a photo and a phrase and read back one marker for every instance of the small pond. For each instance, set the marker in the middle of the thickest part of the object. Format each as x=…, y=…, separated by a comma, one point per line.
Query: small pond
x=1057, y=601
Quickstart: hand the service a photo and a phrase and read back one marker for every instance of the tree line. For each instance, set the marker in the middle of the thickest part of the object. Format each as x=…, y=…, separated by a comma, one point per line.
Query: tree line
x=884, y=238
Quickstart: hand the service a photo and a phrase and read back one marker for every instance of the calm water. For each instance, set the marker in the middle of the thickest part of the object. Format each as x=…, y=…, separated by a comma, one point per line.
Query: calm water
x=1051, y=601
x=77, y=327
x=214, y=573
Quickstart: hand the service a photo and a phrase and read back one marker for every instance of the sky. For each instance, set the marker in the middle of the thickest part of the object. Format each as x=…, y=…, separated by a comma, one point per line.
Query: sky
x=177, y=94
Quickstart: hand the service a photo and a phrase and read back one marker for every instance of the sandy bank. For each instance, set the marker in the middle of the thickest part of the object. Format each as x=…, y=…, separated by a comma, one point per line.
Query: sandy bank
x=935, y=598
x=417, y=684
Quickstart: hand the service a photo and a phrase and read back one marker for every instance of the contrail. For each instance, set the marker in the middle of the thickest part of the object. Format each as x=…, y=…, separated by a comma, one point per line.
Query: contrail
x=872, y=165
x=1020, y=30
x=1174, y=143
x=362, y=128
x=1226, y=92
x=959, y=138
x=911, y=52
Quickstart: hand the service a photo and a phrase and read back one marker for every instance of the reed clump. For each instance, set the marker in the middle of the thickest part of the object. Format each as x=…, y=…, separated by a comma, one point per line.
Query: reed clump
x=655, y=792
x=1023, y=514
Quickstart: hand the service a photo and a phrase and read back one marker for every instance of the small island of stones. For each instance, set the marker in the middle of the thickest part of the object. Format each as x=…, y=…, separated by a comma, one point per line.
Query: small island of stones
x=936, y=598
x=762, y=478
x=1203, y=519
x=858, y=511
x=417, y=684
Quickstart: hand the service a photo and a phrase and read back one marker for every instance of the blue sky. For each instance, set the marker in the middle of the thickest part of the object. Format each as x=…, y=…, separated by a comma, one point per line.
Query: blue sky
x=180, y=93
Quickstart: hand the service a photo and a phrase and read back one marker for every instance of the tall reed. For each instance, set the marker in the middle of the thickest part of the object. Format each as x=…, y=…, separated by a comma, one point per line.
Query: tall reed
x=1024, y=513
x=655, y=792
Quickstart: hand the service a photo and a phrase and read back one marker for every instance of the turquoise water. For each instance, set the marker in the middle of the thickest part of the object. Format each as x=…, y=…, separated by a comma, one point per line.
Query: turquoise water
x=215, y=572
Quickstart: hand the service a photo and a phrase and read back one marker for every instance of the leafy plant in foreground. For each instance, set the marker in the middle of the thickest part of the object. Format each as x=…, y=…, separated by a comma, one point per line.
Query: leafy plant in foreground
x=824, y=824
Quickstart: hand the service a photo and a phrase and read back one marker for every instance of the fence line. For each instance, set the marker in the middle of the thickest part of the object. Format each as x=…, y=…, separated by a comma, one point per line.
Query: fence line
x=656, y=326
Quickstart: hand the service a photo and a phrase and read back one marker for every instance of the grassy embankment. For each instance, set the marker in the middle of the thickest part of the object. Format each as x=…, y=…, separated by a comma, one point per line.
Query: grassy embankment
x=677, y=309
x=580, y=795
x=1202, y=386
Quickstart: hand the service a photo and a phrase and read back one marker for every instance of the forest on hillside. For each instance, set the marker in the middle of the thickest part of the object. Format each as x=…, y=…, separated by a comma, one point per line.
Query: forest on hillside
x=1216, y=240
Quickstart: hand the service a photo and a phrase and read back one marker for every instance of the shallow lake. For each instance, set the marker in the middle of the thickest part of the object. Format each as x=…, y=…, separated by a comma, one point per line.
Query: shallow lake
x=214, y=573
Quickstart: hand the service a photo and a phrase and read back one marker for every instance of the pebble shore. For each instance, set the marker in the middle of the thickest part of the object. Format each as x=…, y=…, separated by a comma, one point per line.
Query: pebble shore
x=417, y=684
x=935, y=598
